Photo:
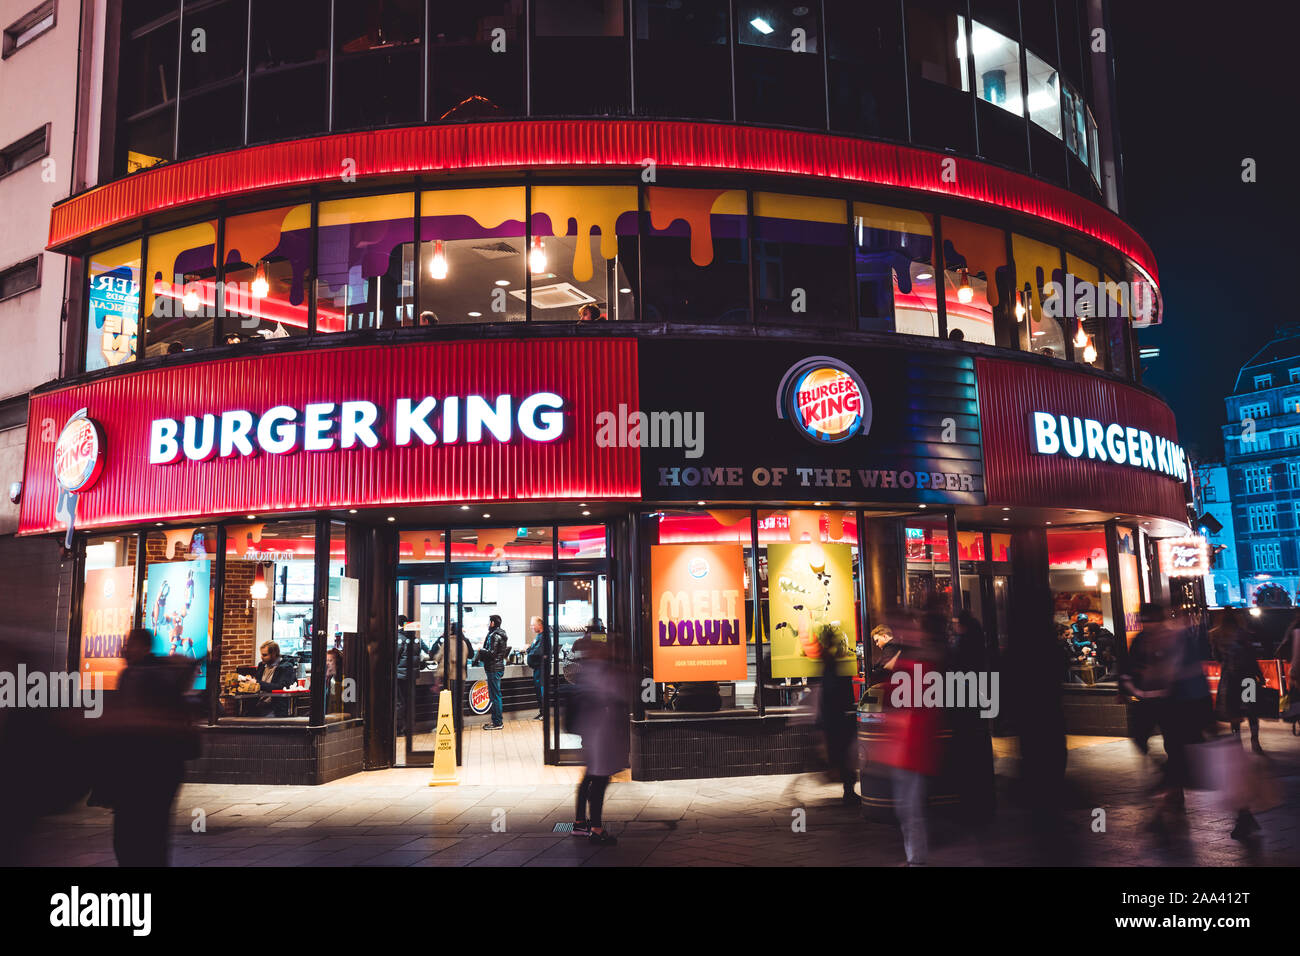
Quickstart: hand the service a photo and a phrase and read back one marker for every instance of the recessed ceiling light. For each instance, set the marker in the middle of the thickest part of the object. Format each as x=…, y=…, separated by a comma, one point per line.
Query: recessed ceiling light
x=761, y=25
x=503, y=282
x=486, y=515
x=582, y=504
x=251, y=517
x=464, y=507
x=474, y=315
x=624, y=291
x=392, y=518
x=1006, y=519
x=1049, y=522
x=924, y=276
x=699, y=502
x=158, y=524
x=921, y=506
x=352, y=511
x=816, y=504
x=586, y=512
x=1006, y=509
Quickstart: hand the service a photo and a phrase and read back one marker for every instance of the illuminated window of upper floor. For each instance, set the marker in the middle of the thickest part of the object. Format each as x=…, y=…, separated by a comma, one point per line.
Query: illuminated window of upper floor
x=1263, y=381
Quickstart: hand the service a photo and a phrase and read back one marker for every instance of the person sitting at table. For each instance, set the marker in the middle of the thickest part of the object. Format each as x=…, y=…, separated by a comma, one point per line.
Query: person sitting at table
x=276, y=673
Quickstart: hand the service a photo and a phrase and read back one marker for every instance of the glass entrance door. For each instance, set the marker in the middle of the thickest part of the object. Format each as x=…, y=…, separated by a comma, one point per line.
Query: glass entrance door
x=578, y=606
x=427, y=662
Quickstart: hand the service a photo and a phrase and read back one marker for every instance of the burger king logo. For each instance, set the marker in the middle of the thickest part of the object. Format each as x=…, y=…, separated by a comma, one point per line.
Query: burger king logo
x=480, y=701
x=78, y=453
x=825, y=399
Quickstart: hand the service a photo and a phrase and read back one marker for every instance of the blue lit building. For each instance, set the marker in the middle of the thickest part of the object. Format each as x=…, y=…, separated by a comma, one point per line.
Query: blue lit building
x=1214, y=497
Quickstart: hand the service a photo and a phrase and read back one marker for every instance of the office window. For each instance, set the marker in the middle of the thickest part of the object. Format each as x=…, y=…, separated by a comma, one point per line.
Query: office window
x=1268, y=556
x=695, y=255
x=378, y=63
x=473, y=256
x=1044, y=94
x=671, y=34
x=476, y=61
x=779, y=76
x=1262, y=517
x=1296, y=518
x=146, y=87
x=180, y=294
x=800, y=263
x=1076, y=125
x=1255, y=411
x=365, y=262
x=20, y=278
x=894, y=270
x=268, y=256
x=1292, y=475
x=1293, y=375
x=212, y=75
x=939, y=82
x=288, y=93
x=23, y=152
x=1263, y=381
x=580, y=58
x=1291, y=438
x=583, y=253
x=1258, y=479
x=996, y=59
x=865, y=68
x=27, y=28
x=112, y=306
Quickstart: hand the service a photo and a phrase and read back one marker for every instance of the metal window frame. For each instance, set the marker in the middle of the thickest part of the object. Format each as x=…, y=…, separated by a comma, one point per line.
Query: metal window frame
x=24, y=23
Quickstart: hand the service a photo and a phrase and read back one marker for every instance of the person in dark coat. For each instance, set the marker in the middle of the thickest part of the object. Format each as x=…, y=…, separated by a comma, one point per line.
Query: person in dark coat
x=836, y=716
x=492, y=655
x=972, y=744
x=602, y=722
x=152, y=735
x=537, y=656
x=1238, y=673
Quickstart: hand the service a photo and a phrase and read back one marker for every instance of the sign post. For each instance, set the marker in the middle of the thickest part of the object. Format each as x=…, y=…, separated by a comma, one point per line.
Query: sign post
x=444, y=748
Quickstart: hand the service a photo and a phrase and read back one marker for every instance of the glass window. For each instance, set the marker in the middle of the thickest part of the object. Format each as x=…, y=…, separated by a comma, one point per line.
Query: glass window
x=107, y=607
x=266, y=625
x=894, y=253
x=214, y=51
x=503, y=544
x=377, y=63
x=807, y=582
x=1037, y=266
x=1079, y=576
x=288, y=92
x=1076, y=124
x=1044, y=94
x=800, y=259
x=582, y=541
x=181, y=292
x=779, y=72
x=699, y=568
x=344, y=654
x=146, y=92
x=671, y=34
x=178, y=594
x=864, y=46
x=476, y=66
x=1084, y=314
x=695, y=255
x=268, y=256
x=937, y=67
x=929, y=565
x=113, y=306
x=365, y=261
x=473, y=256
x=1094, y=148
x=975, y=277
x=583, y=253
x=1117, y=321
x=421, y=547
x=580, y=58
x=996, y=59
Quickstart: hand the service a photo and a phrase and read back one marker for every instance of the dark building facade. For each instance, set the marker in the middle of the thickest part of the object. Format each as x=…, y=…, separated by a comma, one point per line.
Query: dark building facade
x=718, y=332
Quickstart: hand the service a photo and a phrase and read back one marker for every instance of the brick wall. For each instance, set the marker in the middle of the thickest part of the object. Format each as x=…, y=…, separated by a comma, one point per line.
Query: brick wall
x=238, y=617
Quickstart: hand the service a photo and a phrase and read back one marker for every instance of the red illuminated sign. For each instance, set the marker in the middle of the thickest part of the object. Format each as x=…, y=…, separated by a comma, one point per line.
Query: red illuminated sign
x=78, y=453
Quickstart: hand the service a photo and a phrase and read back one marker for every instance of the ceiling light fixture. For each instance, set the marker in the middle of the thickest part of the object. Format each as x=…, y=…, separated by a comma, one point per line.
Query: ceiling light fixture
x=260, y=288
x=438, y=267
x=537, y=256
x=761, y=25
x=964, y=292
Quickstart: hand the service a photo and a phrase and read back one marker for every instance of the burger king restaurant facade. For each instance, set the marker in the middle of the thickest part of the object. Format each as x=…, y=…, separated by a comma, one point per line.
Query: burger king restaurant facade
x=767, y=443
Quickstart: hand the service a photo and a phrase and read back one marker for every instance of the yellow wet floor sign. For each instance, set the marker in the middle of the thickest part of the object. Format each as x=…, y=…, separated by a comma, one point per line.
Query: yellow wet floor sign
x=444, y=748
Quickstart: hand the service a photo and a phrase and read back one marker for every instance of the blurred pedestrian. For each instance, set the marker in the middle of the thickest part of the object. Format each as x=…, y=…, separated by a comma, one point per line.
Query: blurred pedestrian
x=1240, y=677
x=837, y=718
x=152, y=736
x=536, y=657
x=601, y=720
x=972, y=744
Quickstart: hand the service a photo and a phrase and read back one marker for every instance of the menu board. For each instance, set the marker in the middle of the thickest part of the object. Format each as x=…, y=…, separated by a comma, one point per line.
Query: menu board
x=698, y=595
x=810, y=594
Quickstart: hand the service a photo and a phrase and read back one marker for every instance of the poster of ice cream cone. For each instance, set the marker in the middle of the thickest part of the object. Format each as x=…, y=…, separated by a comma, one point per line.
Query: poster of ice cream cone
x=810, y=597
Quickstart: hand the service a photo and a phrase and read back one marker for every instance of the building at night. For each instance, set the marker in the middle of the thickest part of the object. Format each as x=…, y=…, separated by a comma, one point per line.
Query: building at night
x=1214, y=498
x=1262, y=452
x=716, y=333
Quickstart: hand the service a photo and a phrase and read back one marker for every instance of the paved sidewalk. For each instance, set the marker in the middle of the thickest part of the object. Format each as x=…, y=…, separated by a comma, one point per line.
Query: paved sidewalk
x=392, y=818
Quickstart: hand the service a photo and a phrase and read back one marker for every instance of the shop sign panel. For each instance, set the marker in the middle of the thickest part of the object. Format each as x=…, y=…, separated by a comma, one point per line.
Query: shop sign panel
x=777, y=421
x=698, y=611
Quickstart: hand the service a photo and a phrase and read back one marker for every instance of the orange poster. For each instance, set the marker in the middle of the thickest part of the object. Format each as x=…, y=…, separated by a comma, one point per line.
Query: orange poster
x=698, y=612
x=106, y=607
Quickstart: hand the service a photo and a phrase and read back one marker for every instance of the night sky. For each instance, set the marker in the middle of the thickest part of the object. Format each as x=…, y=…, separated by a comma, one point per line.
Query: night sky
x=1198, y=92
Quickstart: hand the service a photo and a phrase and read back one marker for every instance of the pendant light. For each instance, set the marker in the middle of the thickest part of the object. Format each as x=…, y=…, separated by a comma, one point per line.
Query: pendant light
x=964, y=292
x=1080, y=337
x=260, y=287
x=537, y=257
x=1090, y=577
x=190, y=297
x=257, y=590
x=1089, y=353
x=438, y=267
x=1020, y=308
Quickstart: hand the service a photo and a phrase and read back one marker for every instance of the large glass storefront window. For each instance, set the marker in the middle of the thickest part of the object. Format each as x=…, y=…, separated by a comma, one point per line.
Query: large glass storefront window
x=476, y=60
x=378, y=61
x=779, y=72
x=928, y=556
x=501, y=545
x=996, y=62
x=580, y=58
x=268, y=256
x=1038, y=266
x=269, y=595
x=938, y=76
x=344, y=654
x=212, y=75
x=113, y=306
x=1079, y=576
x=975, y=274
x=365, y=263
x=288, y=91
x=583, y=253
x=473, y=256
x=800, y=259
x=699, y=591
x=894, y=256
x=1044, y=94
x=146, y=86
x=670, y=34
x=180, y=293
x=864, y=61
x=1085, y=312
x=107, y=607
x=695, y=255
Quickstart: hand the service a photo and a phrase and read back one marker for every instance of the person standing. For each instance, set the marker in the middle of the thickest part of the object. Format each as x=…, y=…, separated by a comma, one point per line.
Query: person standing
x=537, y=657
x=601, y=720
x=492, y=655
x=836, y=715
